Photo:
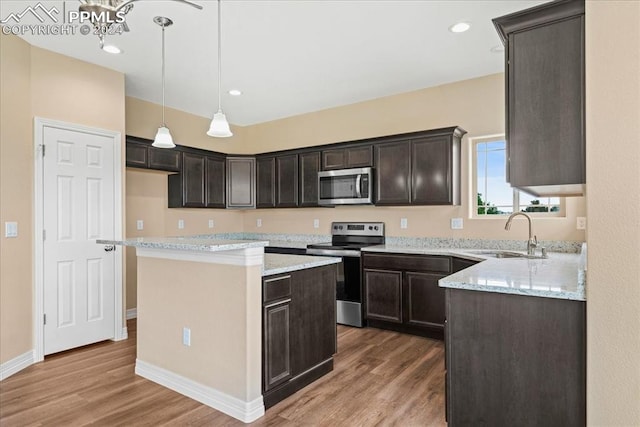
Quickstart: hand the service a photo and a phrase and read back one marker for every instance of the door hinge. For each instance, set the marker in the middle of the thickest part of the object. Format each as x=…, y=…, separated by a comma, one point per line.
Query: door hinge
x=44, y=318
x=44, y=235
x=43, y=149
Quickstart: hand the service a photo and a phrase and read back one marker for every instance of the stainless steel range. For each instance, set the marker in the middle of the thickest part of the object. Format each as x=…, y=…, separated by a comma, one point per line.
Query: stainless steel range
x=347, y=240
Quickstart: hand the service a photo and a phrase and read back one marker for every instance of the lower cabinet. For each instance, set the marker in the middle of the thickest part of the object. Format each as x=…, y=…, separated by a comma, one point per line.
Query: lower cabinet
x=514, y=360
x=299, y=330
x=402, y=292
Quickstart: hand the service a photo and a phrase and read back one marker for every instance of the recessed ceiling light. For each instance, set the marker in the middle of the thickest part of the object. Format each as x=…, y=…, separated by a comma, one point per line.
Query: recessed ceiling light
x=497, y=49
x=111, y=49
x=460, y=27
x=235, y=92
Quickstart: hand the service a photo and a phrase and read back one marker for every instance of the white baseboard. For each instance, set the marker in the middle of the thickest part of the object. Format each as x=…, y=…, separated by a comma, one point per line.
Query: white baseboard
x=16, y=364
x=244, y=411
x=132, y=313
x=124, y=334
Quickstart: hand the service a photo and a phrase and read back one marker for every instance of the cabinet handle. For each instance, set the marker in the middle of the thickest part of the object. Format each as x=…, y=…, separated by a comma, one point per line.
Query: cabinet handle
x=273, y=304
x=288, y=276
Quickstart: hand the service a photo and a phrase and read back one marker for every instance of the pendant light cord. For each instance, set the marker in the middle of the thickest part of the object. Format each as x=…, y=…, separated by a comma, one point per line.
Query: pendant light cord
x=219, y=61
x=163, y=122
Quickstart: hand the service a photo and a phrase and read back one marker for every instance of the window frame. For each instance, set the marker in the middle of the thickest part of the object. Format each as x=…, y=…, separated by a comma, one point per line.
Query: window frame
x=473, y=186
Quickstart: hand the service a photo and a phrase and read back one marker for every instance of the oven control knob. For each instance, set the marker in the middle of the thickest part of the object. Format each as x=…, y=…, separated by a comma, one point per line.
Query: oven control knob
x=375, y=228
x=335, y=227
x=340, y=227
x=371, y=227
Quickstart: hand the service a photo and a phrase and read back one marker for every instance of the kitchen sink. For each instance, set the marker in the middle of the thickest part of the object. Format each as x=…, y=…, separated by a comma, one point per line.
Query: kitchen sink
x=505, y=254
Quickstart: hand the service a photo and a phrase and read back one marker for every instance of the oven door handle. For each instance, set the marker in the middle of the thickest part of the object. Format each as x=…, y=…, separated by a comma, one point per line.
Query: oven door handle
x=358, y=185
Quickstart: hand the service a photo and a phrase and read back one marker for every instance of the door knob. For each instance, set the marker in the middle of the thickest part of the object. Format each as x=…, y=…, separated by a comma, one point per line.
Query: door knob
x=109, y=248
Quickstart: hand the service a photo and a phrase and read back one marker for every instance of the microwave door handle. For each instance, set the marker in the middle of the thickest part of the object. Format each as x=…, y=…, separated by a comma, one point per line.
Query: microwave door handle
x=358, y=185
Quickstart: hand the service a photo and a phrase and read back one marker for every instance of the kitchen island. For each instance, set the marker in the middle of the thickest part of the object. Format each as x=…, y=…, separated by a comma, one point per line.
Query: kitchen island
x=200, y=316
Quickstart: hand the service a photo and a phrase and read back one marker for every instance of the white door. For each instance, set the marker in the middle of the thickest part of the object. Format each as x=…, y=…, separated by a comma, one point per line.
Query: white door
x=78, y=205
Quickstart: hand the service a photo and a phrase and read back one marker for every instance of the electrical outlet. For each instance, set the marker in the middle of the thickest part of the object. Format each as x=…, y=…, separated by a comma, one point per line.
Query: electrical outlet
x=259, y=222
x=316, y=223
x=457, y=224
x=210, y=223
x=581, y=223
x=404, y=223
x=10, y=229
x=139, y=224
x=186, y=337
x=180, y=224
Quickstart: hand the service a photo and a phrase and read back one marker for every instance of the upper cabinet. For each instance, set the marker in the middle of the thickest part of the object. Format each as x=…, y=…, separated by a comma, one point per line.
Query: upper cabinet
x=266, y=182
x=201, y=183
x=419, y=170
x=545, y=97
x=277, y=183
x=359, y=156
x=140, y=154
x=241, y=182
x=309, y=166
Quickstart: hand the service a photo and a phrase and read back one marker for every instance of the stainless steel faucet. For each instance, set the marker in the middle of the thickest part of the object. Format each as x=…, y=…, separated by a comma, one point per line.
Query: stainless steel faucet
x=532, y=243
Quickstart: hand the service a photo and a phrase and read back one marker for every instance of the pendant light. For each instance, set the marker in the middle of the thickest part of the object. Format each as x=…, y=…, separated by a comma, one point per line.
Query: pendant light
x=163, y=138
x=219, y=126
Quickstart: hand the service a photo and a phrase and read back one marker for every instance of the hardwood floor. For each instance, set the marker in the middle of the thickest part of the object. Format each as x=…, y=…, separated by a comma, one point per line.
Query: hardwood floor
x=379, y=378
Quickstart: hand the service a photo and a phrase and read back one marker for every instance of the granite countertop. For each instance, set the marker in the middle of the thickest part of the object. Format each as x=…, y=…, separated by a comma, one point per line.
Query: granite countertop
x=187, y=243
x=287, y=244
x=278, y=263
x=558, y=276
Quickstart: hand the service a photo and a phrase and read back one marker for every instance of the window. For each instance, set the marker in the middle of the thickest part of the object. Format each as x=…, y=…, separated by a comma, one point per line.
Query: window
x=494, y=195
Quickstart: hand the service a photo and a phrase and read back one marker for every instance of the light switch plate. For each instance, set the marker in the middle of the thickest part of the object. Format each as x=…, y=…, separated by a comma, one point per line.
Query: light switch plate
x=140, y=224
x=186, y=337
x=404, y=223
x=259, y=222
x=316, y=223
x=10, y=229
x=457, y=224
x=181, y=224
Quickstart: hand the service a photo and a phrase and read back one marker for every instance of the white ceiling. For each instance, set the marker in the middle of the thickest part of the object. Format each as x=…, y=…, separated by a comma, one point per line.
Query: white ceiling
x=291, y=56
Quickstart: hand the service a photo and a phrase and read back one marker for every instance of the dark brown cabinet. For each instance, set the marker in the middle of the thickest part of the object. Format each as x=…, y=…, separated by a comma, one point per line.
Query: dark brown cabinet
x=421, y=170
x=266, y=182
x=514, y=360
x=545, y=96
x=309, y=164
x=276, y=330
x=299, y=330
x=435, y=169
x=348, y=157
x=200, y=183
x=402, y=292
x=140, y=154
x=287, y=181
x=277, y=181
x=393, y=173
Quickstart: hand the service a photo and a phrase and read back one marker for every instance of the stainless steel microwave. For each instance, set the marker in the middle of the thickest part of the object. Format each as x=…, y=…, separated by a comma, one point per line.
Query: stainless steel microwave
x=345, y=187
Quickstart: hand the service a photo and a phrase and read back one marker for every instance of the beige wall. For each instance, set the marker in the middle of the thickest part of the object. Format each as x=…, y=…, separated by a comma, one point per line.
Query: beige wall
x=221, y=305
x=613, y=185
x=16, y=188
x=36, y=82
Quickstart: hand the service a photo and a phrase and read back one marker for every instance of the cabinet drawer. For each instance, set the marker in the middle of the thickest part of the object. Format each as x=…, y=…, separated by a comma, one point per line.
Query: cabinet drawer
x=440, y=264
x=276, y=288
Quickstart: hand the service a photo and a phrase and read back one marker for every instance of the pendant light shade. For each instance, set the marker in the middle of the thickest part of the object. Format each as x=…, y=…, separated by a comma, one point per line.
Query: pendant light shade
x=163, y=137
x=219, y=126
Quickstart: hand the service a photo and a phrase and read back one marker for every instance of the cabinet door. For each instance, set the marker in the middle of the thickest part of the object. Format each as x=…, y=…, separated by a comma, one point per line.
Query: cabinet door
x=424, y=300
x=359, y=157
x=309, y=167
x=137, y=155
x=334, y=159
x=266, y=185
x=277, y=359
x=383, y=295
x=241, y=190
x=215, y=182
x=164, y=159
x=193, y=167
x=431, y=171
x=393, y=169
x=287, y=181
x=545, y=87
